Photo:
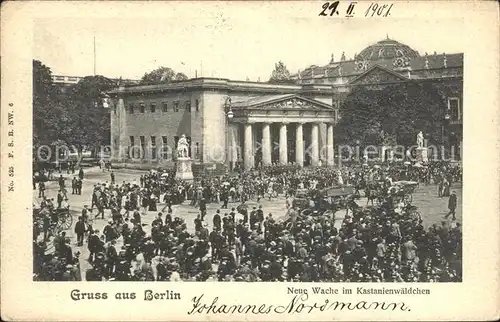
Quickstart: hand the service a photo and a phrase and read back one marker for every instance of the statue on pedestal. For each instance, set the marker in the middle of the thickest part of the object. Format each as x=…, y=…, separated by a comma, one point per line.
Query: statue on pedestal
x=420, y=139
x=183, y=167
x=183, y=147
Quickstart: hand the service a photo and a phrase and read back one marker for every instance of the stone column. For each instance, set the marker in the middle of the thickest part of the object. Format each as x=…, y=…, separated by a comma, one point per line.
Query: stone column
x=266, y=144
x=123, y=143
x=299, y=145
x=330, y=155
x=249, y=157
x=283, y=144
x=315, y=144
x=233, y=142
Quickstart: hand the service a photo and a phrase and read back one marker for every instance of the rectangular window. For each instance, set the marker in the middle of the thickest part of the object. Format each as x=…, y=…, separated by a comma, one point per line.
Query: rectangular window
x=197, y=151
x=132, y=144
x=197, y=105
x=153, y=107
x=153, y=147
x=164, y=147
x=176, y=106
x=165, y=107
x=142, y=108
x=454, y=109
x=131, y=108
x=188, y=139
x=176, y=140
x=114, y=108
x=143, y=145
x=188, y=106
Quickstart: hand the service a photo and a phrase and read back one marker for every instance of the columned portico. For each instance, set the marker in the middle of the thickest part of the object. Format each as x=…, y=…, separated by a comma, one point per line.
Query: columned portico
x=299, y=145
x=283, y=148
x=276, y=115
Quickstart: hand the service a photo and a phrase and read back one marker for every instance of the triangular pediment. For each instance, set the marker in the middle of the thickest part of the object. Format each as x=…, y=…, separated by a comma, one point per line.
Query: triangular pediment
x=377, y=75
x=285, y=102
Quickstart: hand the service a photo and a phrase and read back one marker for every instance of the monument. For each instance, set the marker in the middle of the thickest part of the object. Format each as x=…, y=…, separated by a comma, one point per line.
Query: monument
x=421, y=150
x=183, y=167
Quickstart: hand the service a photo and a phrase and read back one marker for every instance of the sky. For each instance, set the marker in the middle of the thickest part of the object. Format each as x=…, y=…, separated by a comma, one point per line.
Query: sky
x=218, y=44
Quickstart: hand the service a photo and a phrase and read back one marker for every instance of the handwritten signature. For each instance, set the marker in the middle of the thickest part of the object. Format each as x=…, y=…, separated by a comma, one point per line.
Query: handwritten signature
x=298, y=304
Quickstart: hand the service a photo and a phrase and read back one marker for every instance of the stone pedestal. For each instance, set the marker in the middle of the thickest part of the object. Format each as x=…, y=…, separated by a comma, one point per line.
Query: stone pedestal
x=422, y=155
x=183, y=169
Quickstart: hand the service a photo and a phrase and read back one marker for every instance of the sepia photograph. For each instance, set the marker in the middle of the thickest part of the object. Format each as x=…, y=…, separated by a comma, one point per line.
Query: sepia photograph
x=249, y=161
x=178, y=153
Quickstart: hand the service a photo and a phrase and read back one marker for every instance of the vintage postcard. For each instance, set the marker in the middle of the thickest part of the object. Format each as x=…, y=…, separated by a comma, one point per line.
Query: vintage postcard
x=312, y=160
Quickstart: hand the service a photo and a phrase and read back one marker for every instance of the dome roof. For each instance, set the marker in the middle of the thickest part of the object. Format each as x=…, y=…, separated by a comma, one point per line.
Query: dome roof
x=387, y=49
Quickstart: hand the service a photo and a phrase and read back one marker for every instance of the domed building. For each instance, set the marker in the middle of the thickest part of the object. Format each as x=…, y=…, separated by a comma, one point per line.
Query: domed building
x=387, y=49
x=239, y=124
x=397, y=60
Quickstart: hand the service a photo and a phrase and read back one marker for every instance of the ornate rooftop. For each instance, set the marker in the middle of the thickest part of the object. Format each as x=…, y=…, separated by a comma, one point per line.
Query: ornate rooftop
x=387, y=49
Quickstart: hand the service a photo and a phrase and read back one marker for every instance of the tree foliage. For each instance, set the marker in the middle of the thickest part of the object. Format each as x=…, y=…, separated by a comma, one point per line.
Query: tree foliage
x=91, y=122
x=162, y=75
x=50, y=118
x=375, y=117
x=73, y=116
x=280, y=74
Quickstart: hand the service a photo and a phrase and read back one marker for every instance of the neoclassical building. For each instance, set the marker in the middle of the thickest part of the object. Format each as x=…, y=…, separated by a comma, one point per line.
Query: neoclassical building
x=256, y=123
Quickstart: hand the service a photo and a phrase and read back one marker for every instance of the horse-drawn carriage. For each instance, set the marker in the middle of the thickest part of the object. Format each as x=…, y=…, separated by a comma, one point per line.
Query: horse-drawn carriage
x=325, y=201
x=60, y=219
x=403, y=190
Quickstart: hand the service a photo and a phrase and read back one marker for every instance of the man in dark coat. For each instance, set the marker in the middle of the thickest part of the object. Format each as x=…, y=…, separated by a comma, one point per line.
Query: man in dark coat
x=95, y=245
x=61, y=182
x=452, y=205
x=74, y=184
x=41, y=189
x=80, y=231
x=203, y=208
x=111, y=258
x=197, y=223
x=66, y=251
x=80, y=174
x=60, y=198
x=217, y=220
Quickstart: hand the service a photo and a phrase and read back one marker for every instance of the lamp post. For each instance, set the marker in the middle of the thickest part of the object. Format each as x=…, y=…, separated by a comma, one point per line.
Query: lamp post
x=446, y=118
x=357, y=151
x=228, y=113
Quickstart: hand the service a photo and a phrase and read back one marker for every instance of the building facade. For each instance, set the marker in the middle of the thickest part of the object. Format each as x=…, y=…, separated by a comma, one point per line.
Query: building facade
x=228, y=122
x=254, y=123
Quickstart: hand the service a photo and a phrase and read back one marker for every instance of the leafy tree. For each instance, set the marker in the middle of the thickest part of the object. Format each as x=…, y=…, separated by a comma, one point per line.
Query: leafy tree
x=74, y=116
x=280, y=74
x=394, y=113
x=50, y=118
x=162, y=75
x=90, y=121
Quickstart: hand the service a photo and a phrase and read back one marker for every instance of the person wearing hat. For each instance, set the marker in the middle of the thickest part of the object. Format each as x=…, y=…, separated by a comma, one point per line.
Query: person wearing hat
x=110, y=232
x=217, y=220
x=158, y=221
x=452, y=205
x=80, y=230
x=198, y=222
x=95, y=245
x=203, y=208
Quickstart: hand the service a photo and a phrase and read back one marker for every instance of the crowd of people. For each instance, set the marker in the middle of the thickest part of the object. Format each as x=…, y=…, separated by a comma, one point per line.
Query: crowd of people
x=238, y=242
